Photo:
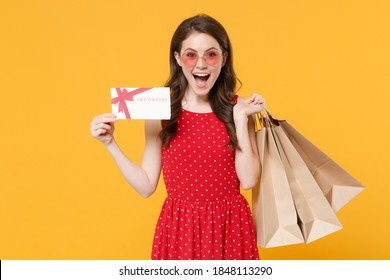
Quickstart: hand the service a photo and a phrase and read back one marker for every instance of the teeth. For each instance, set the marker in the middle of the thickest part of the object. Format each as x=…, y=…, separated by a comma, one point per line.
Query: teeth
x=201, y=74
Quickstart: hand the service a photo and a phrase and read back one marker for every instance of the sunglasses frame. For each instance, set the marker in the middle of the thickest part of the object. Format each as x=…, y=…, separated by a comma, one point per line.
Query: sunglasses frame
x=204, y=57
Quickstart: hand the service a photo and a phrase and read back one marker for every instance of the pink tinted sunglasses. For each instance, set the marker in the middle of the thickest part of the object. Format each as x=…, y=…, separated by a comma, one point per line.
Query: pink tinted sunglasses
x=190, y=58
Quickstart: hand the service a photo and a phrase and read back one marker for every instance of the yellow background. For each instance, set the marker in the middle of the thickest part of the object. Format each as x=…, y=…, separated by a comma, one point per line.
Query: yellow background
x=322, y=65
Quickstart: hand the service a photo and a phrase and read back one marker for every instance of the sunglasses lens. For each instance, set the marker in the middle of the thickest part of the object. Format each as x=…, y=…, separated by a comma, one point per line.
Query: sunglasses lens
x=189, y=58
x=211, y=57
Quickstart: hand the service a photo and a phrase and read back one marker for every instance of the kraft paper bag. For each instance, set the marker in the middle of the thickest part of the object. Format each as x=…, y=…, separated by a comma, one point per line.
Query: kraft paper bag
x=338, y=186
x=316, y=216
x=273, y=207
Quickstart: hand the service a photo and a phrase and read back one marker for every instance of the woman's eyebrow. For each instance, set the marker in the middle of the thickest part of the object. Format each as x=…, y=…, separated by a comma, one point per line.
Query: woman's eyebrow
x=191, y=49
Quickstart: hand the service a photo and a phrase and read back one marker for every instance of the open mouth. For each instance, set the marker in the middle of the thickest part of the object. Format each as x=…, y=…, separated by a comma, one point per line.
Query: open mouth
x=201, y=79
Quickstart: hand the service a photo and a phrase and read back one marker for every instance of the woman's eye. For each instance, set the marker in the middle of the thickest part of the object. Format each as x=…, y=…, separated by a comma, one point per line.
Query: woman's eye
x=212, y=54
x=190, y=55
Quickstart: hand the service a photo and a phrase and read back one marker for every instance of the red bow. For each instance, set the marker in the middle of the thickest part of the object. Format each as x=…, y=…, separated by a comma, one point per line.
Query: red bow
x=124, y=95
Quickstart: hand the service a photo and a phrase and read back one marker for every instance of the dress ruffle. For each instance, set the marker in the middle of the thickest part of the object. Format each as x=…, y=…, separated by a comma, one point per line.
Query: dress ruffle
x=212, y=230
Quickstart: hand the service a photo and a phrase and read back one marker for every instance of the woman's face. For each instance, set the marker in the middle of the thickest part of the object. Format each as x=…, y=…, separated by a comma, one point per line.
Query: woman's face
x=201, y=60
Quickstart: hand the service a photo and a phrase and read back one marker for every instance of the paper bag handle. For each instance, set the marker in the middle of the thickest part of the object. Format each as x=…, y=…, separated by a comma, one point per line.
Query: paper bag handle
x=265, y=118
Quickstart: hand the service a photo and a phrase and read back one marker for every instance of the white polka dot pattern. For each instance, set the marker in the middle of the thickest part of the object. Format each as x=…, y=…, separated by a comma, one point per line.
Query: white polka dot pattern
x=204, y=215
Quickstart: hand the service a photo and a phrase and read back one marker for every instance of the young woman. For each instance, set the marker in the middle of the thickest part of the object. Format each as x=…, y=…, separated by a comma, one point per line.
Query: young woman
x=206, y=151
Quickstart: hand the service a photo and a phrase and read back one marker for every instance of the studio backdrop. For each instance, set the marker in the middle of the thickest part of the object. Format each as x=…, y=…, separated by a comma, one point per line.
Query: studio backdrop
x=322, y=65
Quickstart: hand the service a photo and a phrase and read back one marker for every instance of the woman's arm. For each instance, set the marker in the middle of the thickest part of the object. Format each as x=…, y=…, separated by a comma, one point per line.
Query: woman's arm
x=144, y=177
x=247, y=160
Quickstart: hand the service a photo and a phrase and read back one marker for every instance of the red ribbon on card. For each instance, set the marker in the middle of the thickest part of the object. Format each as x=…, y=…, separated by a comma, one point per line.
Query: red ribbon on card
x=124, y=95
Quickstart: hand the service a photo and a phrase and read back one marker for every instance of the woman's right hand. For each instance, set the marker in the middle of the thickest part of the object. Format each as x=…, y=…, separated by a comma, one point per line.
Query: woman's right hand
x=102, y=127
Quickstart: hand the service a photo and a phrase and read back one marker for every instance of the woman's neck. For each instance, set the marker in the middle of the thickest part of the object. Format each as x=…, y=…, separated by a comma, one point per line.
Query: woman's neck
x=196, y=103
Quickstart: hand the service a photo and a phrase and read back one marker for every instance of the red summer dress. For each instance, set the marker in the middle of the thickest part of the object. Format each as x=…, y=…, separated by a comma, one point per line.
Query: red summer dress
x=204, y=216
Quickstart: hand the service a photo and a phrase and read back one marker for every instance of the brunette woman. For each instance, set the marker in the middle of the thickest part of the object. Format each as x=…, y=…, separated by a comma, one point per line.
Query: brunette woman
x=205, y=151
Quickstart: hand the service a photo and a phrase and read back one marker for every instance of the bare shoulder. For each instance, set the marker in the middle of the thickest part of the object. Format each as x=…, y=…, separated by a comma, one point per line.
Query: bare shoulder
x=240, y=99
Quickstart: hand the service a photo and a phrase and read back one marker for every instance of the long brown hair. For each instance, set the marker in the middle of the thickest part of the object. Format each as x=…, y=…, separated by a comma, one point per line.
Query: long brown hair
x=222, y=92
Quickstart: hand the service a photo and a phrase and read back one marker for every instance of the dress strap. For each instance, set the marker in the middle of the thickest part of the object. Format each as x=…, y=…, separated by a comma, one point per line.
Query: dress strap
x=235, y=99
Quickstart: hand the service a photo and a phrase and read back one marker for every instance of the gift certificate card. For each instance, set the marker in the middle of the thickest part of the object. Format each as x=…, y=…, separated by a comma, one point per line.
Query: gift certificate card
x=141, y=103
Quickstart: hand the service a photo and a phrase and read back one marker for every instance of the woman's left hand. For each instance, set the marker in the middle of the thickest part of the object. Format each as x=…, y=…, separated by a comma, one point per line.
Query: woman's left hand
x=254, y=104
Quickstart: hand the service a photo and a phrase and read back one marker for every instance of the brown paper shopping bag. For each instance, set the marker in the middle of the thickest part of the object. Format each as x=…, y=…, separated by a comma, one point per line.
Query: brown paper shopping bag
x=316, y=216
x=338, y=186
x=272, y=203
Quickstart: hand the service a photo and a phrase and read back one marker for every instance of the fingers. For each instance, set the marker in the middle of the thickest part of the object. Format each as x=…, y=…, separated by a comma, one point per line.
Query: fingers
x=102, y=125
x=100, y=128
x=256, y=100
x=98, y=132
x=104, y=118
